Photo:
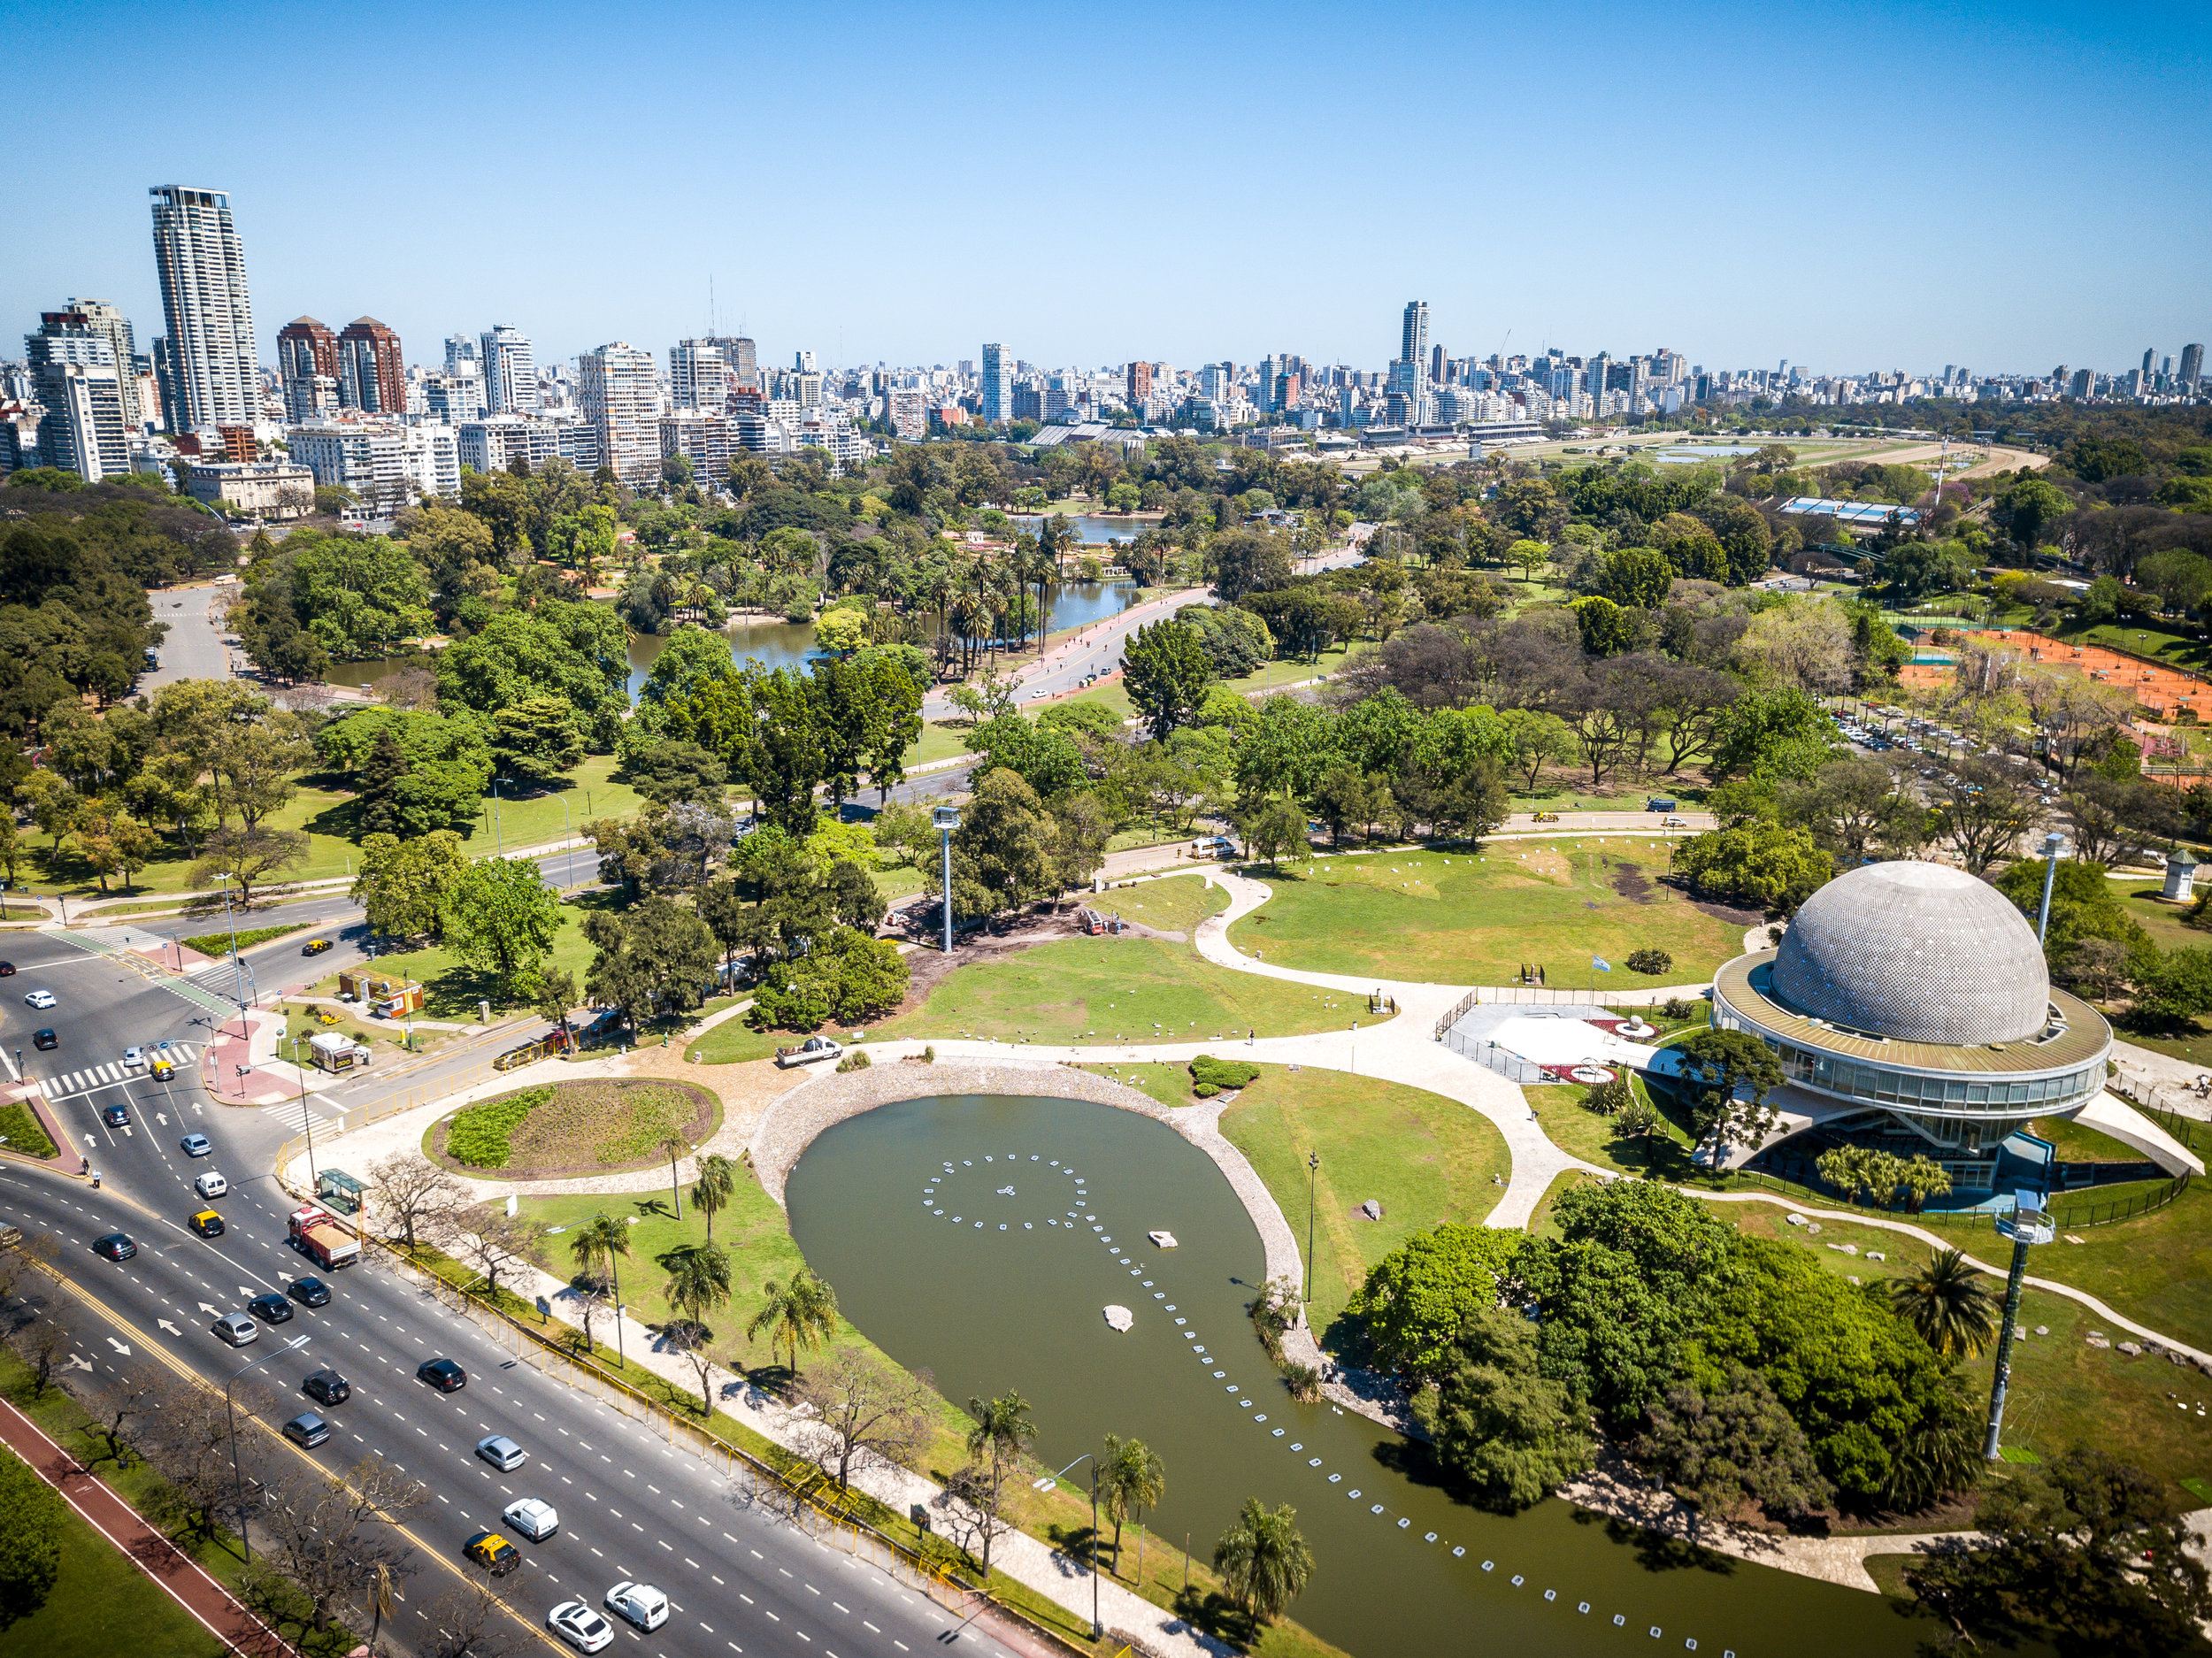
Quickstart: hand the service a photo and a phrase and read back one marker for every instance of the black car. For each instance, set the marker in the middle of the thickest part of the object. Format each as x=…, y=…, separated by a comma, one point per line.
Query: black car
x=310, y=1292
x=117, y=1115
x=116, y=1246
x=7, y=969
x=327, y=1387
x=442, y=1374
x=45, y=1039
x=271, y=1309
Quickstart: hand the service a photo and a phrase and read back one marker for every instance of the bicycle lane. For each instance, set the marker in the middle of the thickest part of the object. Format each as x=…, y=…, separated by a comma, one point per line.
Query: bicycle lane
x=216, y=1609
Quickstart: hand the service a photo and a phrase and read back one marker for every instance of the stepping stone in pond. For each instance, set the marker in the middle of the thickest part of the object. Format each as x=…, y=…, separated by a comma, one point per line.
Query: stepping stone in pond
x=1119, y=1318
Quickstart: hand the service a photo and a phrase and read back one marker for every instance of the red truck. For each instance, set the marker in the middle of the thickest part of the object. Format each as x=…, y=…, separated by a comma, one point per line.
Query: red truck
x=316, y=1233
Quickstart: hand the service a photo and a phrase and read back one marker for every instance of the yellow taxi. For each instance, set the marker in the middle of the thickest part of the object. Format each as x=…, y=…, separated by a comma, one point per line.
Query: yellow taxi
x=207, y=1223
x=314, y=947
x=492, y=1551
x=162, y=1069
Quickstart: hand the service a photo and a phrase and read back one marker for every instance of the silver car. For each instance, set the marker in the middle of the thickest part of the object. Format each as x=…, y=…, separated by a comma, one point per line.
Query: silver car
x=502, y=1451
x=237, y=1329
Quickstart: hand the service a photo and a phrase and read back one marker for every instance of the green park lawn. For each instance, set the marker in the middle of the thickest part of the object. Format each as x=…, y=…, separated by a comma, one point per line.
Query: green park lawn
x=1466, y=918
x=451, y=988
x=1428, y=1160
x=1586, y=1134
x=1173, y=903
x=2145, y=638
x=1117, y=989
x=325, y=815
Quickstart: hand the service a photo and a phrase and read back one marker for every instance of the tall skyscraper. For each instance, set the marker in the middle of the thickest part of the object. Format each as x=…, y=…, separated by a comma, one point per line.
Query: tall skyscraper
x=1436, y=365
x=803, y=361
x=2192, y=366
x=307, y=367
x=699, y=375
x=1139, y=386
x=2150, y=353
x=1266, y=378
x=372, y=371
x=620, y=395
x=216, y=374
x=1413, y=345
x=511, y=375
x=73, y=369
x=997, y=392
x=105, y=318
x=462, y=356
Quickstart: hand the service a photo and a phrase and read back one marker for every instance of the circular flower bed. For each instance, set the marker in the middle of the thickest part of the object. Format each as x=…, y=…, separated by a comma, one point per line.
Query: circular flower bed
x=566, y=1129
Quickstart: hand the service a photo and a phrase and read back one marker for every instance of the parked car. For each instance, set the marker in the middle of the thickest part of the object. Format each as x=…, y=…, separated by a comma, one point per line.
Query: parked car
x=813, y=1048
x=639, y=1603
x=116, y=1245
x=196, y=1146
x=207, y=1223
x=442, y=1374
x=580, y=1627
x=237, y=1329
x=310, y=1291
x=307, y=1429
x=325, y=1386
x=533, y=1516
x=502, y=1453
x=492, y=1551
x=40, y=999
x=271, y=1309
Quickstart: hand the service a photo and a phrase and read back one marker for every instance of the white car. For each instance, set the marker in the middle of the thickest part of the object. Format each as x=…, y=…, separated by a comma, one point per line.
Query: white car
x=502, y=1451
x=536, y=1519
x=39, y=998
x=639, y=1603
x=211, y=1184
x=133, y=1059
x=580, y=1626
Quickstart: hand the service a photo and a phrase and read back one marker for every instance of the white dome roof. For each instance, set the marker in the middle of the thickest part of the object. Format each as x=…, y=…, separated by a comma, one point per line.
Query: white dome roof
x=1920, y=952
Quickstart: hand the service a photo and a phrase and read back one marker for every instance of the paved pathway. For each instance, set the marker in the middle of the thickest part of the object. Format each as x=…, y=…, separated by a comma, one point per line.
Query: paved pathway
x=180, y=1576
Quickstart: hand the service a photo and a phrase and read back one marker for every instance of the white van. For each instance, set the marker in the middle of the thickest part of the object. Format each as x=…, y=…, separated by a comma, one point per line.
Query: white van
x=211, y=1184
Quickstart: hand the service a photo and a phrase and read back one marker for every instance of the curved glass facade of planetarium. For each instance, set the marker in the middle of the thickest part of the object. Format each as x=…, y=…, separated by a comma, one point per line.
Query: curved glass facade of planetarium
x=1969, y=1095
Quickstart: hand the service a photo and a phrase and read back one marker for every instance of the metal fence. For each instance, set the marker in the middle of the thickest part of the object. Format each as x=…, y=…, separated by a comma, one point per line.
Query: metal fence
x=1503, y=1061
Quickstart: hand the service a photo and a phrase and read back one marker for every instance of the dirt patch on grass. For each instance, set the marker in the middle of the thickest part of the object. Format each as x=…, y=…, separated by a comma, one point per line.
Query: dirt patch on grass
x=602, y=1126
x=1633, y=885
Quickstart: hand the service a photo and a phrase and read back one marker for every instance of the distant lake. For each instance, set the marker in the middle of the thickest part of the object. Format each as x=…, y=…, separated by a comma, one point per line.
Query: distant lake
x=1093, y=532
x=779, y=644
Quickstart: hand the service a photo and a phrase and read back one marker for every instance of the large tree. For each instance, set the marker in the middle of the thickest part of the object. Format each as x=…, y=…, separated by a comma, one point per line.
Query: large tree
x=502, y=918
x=1497, y=1421
x=405, y=886
x=1729, y=1076
x=1418, y=1297
x=1166, y=670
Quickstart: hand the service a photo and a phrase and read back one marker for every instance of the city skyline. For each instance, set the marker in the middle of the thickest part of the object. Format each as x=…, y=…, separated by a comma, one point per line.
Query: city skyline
x=1848, y=241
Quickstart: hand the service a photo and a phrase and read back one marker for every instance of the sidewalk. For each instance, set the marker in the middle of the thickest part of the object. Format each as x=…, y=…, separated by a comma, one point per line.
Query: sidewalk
x=185, y=1580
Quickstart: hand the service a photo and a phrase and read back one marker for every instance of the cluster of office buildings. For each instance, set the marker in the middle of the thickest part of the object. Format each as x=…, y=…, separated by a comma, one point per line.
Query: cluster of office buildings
x=343, y=408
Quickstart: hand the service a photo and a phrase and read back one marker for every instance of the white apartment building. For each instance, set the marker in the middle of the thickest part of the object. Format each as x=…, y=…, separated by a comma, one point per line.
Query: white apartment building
x=700, y=374
x=455, y=396
x=385, y=465
x=278, y=490
x=703, y=437
x=619, y=391
x=511, y=374
x=214, y=369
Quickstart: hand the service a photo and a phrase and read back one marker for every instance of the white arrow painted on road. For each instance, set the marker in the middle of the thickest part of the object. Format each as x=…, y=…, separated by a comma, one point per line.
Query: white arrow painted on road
x=287, y=1277
x=162, y=1118
x=171, y=1328
x=242, y=1290
x=206, y=1309
x=119, y=1347
x=78, y=1361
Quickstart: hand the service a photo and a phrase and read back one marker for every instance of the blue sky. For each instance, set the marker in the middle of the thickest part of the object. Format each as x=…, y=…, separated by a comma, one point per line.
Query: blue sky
x=1851, y=186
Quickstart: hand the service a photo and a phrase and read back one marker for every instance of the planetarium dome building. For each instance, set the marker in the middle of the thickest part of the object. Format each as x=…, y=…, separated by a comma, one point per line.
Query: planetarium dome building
x=1909, y=1008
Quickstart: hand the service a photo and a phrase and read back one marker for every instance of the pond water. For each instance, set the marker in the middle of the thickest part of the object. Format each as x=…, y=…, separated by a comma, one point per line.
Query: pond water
x=1093, y=532
x=982, y=1237
x=775, y=644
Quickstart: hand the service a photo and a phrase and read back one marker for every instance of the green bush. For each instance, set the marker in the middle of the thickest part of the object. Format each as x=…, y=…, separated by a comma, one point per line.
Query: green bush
x=1210, y=1076
x=22, y=1133
x=848, y=977
x=1609, y=1097
x=219, y=943
x=1680, y=1008
x=1650, y=961
x=480, y=1134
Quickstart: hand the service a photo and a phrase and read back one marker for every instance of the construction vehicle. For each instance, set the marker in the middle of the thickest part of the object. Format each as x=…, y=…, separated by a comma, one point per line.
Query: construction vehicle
x=316, y=1233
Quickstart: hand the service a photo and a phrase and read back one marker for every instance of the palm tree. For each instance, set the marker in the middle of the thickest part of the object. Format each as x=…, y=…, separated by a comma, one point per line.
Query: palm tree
x=1003, y=1431
x=698, y=1284
x=717, y=1186
x=1923, y=1179
x=1263, y=1560
x=1130, y=1475
x=1946, y=1302
x=675, y=1146
x=801, y=1312
x=598, y=1243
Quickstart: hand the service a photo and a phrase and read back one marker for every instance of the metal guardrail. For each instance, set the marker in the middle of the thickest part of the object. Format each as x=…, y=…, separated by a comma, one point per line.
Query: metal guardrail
x=1503, y=1061
x=1459, y=1010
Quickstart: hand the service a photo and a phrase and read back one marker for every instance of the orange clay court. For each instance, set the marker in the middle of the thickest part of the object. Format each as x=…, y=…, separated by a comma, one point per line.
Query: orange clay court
x=2162, y=692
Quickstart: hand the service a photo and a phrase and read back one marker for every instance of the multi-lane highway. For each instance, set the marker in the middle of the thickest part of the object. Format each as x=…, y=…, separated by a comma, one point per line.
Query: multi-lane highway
x=630, y=1506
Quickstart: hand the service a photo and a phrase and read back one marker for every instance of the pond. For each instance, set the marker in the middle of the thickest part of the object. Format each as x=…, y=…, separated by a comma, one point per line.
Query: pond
x=776, y=644
x=982, y=1237
x=1092, y=532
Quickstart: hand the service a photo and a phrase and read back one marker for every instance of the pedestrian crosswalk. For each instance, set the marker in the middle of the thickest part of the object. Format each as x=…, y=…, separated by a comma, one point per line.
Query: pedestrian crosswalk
x=92, y=1079
x=319, y=1111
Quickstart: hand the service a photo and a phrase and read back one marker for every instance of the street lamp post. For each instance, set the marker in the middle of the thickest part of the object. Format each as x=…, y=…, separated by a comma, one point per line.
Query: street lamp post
x=230, y=1411
x=237, y=970
x=499, y=833
x=1047, y=1484
x=947, y=818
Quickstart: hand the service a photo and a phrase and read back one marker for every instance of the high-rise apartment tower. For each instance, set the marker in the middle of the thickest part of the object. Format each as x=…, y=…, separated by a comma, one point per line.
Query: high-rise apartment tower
x=215, y=373
x=511, y=374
